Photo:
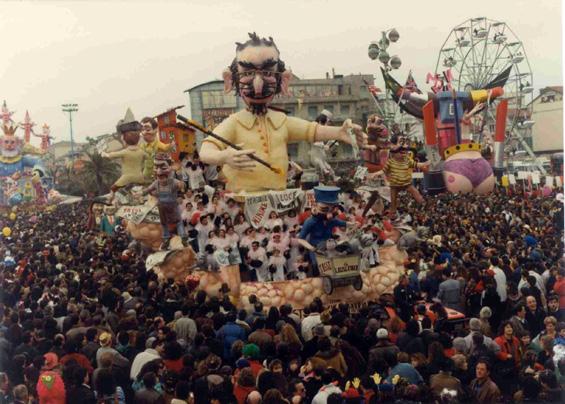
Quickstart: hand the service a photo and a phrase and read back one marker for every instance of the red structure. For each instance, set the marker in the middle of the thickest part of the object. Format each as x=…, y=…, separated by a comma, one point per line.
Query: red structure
x=172, y=131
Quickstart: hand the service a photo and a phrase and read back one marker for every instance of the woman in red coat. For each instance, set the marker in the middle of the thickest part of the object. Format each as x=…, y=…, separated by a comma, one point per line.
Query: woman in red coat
x=509, y=345
x=244, y=385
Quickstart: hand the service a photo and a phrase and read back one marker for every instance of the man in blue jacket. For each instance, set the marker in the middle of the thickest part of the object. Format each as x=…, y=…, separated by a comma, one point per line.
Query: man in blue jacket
x=230, y=332
x=319, y=227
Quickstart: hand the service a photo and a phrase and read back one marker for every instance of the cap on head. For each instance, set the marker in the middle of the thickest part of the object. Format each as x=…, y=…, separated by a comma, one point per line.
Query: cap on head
x=327, y=194
x=382, y=333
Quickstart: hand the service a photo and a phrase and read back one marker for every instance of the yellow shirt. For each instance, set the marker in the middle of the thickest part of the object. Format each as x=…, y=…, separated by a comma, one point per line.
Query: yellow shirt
x=132, y=165
x=150, y=149
x=399, y=173
x=268, y=135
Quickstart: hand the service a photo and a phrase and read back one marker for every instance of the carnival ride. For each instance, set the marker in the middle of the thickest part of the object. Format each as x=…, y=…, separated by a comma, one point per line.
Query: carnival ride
x=480, y=61
x=476, y=52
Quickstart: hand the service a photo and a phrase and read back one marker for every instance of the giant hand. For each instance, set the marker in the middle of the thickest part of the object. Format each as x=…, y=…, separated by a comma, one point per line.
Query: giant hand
x=344, y=134
x=238, y=159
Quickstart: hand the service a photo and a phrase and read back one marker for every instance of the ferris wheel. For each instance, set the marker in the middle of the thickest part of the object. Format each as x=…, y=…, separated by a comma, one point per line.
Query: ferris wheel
x=479, y=52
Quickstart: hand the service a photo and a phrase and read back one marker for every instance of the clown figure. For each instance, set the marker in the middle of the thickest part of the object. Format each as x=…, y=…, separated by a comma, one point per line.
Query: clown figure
x=319, y=227
x=131, y=156
x=318, y=152
x=15, y=156
x=109, y=221
x=465, y=169
x=258, y=74
x=151, y=145
x=379, y=139
x=40, y=195
x=398, y=171
x=165, y=188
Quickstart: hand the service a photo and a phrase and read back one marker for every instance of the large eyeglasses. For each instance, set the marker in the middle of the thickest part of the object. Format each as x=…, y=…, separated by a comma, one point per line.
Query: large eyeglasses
x=251, y=74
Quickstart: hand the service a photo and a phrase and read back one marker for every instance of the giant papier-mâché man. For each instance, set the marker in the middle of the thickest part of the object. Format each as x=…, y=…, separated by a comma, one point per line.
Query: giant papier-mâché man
x=15, y=156
x=257, y=74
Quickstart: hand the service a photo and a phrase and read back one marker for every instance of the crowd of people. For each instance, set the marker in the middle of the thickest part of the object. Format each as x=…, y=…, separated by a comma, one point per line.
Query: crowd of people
x=216, y=227
x=82, y=322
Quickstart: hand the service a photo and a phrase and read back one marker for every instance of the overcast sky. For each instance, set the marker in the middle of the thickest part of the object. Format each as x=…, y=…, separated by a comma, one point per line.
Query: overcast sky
x=107, y=56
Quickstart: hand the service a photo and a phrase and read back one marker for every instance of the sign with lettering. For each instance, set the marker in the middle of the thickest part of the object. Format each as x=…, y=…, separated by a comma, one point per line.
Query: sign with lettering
x=258, y=208
x=338, y=266
x=139, y=213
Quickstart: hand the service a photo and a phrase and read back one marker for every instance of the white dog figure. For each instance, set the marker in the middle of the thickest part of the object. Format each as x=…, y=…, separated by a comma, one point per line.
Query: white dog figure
x=370, y=253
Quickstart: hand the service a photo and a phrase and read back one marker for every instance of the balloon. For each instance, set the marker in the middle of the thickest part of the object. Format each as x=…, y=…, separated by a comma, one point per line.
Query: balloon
x=15, y=199
x=12, y=216
x=6, y=232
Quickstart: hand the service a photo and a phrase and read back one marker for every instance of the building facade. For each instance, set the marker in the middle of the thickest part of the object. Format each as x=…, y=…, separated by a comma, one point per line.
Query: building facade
x=547, y=112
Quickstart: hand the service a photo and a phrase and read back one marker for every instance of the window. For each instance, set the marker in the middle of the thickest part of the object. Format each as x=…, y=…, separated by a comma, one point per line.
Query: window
x=344, y=109
x=340, y=89
x=290, y=110
x=329, y=108
x=313, y=111
x=166, y=119
x=217, y=99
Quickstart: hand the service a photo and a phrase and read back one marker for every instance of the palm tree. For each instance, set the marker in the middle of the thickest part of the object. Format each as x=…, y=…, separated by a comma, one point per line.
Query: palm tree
x=98, y=173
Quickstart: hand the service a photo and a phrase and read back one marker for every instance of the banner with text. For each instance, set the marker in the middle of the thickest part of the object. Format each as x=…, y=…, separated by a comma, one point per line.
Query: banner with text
x=139, y=213
x=258, y=208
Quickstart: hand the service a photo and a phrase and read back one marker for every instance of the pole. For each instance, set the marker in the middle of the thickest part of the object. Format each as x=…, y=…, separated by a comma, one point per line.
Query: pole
x=72, y=140
x=70, y=108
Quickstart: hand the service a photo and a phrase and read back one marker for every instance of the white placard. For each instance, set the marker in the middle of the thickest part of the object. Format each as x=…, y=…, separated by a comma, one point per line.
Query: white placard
x=522, y=175
x=549, y=181
x=418, y=175
x=558, y=182
x=535, y=178
x=511, y=179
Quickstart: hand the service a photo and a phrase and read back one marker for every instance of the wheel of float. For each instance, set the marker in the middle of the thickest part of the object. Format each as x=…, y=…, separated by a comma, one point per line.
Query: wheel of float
x=358, y=283
x=327, y=285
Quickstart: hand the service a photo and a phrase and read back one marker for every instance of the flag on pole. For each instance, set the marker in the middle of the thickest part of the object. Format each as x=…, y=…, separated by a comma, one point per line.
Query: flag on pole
x=411, y=84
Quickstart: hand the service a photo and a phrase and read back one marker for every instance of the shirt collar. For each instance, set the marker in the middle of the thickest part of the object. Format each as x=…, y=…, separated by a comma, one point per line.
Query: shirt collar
x=247, y=119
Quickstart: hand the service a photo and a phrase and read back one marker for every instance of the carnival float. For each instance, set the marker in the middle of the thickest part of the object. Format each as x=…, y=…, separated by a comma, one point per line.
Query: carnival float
x=251, y=148
x=22, y=172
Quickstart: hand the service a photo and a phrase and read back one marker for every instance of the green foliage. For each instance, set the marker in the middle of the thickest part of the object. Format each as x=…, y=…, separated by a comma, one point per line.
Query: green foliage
x=98, y=173
x=96, y=176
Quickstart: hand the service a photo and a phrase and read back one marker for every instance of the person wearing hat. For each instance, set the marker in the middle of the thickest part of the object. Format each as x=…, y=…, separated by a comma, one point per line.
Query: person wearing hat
x=105, y=340
x=318, y=151
x=398, y=170
x=50, y=387
x=132, y=155
x=252, y=353
x=319, y=227
x=380, y=350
